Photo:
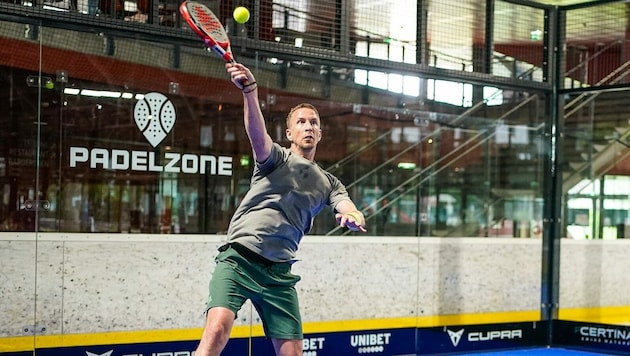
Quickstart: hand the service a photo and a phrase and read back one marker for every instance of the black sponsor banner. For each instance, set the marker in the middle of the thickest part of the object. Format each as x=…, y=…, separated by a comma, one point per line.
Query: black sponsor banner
x=465, y=338
x=592, y=336
x=613, y=339
x=364, y=343
x=179, y=348
x=373, y=342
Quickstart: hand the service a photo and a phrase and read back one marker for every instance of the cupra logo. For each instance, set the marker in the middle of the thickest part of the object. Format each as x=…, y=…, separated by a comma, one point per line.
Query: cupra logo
x=155, y=117
x=108, y=353
x=455, y=336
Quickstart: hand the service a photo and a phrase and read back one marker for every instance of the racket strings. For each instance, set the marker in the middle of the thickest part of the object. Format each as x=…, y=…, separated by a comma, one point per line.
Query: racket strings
x=209, y=23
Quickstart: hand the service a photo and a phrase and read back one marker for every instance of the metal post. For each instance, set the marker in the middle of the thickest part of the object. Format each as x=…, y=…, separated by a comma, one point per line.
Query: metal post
x=550, y=269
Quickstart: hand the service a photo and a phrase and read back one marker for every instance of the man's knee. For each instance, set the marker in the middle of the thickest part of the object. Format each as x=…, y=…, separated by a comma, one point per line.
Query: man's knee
x=219, y=323
x=287, y=347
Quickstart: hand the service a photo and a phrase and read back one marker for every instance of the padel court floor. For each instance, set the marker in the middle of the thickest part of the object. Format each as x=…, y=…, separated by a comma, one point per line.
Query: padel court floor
x=542, y=351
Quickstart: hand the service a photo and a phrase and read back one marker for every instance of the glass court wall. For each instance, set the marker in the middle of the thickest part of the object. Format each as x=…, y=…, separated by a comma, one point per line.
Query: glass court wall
x=440, y=126
x=403, y=136
x=595, y=147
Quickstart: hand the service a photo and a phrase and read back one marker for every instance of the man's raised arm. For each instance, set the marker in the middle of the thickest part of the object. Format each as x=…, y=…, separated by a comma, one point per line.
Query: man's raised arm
x=253, y=118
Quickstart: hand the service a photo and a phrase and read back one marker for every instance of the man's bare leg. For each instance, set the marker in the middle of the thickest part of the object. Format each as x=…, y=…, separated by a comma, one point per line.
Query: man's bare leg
x=216, y=333
x=287, y=347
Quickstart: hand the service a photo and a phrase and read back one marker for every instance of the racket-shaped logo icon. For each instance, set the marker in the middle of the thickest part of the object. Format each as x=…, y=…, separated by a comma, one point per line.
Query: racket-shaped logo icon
x=155, y=117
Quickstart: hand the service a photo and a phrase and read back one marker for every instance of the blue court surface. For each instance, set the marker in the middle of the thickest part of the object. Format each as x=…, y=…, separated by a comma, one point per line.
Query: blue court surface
x=543, y=351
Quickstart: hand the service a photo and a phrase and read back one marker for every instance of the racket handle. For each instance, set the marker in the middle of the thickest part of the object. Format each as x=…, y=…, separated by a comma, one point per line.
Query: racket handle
x=227, y=56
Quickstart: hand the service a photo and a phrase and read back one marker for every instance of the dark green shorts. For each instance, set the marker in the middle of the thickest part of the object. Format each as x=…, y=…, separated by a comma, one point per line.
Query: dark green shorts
x=269, y=286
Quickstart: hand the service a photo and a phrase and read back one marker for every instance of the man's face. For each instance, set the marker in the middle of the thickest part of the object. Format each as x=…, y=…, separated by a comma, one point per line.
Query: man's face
x=304, y=130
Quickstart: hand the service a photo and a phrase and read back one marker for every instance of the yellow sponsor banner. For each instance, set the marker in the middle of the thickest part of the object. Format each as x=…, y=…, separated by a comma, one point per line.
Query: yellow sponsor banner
x=16, y=344
x=618, y=315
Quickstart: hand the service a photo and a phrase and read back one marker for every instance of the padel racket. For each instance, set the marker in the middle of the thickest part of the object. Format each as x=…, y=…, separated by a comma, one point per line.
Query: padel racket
x=205, y=24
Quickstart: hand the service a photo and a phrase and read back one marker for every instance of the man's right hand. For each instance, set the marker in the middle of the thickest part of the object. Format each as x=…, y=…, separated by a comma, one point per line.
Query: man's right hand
x=240, y=75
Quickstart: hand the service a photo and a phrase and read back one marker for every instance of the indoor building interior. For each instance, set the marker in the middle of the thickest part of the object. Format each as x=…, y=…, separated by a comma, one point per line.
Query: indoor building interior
x=486, y=142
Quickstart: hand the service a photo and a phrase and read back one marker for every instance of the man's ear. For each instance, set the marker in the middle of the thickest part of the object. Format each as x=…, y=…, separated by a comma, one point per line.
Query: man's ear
x=287, y=132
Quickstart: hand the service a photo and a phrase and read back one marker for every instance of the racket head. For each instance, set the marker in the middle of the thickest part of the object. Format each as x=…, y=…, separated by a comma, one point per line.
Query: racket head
x=207, y=26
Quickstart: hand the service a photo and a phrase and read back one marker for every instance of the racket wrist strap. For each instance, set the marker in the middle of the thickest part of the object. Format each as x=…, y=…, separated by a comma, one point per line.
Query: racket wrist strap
x=246, y=88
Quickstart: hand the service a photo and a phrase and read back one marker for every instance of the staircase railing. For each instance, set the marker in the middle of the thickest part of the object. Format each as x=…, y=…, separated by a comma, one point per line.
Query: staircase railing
x=579, y=103
x=588, y=59
x=481, y=137
x=603, y=153
x=435, y=168
x=350, y=157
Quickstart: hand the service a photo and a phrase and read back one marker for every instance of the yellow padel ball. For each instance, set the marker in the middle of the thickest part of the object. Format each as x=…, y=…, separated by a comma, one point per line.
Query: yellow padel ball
x=241, y=14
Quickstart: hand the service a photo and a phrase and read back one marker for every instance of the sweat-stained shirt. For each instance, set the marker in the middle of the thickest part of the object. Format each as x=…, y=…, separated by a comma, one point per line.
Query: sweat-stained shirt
x=286, y=192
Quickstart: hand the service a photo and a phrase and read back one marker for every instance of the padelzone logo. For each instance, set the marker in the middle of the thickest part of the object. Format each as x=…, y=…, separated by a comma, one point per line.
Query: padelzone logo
x=155, y=117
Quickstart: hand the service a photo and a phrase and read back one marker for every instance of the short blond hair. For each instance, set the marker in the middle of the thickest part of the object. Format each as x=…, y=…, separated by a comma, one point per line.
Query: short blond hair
x=301, y=106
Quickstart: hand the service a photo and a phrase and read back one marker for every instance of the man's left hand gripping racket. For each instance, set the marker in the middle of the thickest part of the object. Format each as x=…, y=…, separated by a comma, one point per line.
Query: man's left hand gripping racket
x=205, y=24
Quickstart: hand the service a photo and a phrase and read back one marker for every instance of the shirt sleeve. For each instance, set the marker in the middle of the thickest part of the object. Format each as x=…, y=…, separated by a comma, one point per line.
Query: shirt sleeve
x=338, y=192
x=268, y=165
